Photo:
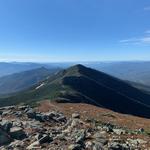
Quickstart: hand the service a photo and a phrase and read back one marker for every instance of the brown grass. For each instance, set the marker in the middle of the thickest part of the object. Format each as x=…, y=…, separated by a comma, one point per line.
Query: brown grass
x=104, y=115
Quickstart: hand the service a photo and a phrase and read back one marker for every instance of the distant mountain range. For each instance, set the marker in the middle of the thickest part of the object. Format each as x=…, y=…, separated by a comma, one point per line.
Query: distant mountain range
x=134, y=71
x=20, y=81
x=81, y=84
x=17, y=67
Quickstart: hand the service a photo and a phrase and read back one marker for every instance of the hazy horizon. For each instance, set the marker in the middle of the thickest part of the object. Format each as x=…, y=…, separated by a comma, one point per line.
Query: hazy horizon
x=104, y=61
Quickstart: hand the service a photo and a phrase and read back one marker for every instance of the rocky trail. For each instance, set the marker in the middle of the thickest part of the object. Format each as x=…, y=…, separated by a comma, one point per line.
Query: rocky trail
x=23, y=127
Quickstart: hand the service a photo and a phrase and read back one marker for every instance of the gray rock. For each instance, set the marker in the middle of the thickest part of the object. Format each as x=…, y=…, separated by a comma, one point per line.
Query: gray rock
x=1, y=112
x=17, y=145
x=7, y=112
x=119, y=131
x=8, y=108
x=108, y=129
x=6, y=125
x=4, y=138
x=136, y=141
x=89, y=145
x=80, y=139
x=39, y=136
x=31, y=114
x=45, y=139
x=17, y=123
x=61, y=119
x=118, y=146
x=17, y=133
x=97, y=146
x=23, y=107
x=99, y=138
x=75, y=115
x=18, y=114
x=75, y=147
x=53, y=117
x=41, y=139
x=34, y=145
x=97, y=135
x=102, y=141
x=141, y=130
x=40, y=117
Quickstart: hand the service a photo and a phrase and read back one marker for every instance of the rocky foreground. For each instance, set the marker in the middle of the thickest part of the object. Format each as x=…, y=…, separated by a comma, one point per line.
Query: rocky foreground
x=22, y=127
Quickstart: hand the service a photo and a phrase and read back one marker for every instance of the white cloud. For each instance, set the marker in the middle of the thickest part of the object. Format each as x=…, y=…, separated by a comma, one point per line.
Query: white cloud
x=144, y=40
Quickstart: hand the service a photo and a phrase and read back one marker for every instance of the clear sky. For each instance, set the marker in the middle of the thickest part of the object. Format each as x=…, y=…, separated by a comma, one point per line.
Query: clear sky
x=74, y=30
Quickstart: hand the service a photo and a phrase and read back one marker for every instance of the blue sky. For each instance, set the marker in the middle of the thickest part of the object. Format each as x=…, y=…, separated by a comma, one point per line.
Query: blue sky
x=74, y=30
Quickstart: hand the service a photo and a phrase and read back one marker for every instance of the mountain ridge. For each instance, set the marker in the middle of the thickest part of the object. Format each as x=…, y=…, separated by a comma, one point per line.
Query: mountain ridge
x=81, y=84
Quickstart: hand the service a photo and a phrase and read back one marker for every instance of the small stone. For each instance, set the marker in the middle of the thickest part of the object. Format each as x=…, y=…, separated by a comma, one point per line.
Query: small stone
x=108, y=129
x=75, y=147
x=76, y=115
x=118, y=146
x=88, y=145
x=22, y=107
x=141, y=130
x=35, y=145
x=45, y=139
x=98, y=146
x=119, y=131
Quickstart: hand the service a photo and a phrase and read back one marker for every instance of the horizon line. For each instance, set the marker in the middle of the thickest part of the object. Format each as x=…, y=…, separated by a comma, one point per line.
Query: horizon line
x=94, y=61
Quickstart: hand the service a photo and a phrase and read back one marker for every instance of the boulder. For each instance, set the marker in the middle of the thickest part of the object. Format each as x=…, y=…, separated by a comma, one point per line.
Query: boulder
x=41, y=139
x=17, y=133
x=97, y=146
x=6, y=112
x=4, y=138
x=31, y=114
x=40, y=117
x=45, y=139
x=6, y=125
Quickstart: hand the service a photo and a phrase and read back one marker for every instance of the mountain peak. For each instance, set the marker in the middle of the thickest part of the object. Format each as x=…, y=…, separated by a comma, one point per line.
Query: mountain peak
x=75, y=70
x=78, y=66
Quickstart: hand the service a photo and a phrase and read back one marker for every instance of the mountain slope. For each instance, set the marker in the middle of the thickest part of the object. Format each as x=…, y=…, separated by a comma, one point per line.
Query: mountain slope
x=21, y=81
x=141, y=87
x=82, y=84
